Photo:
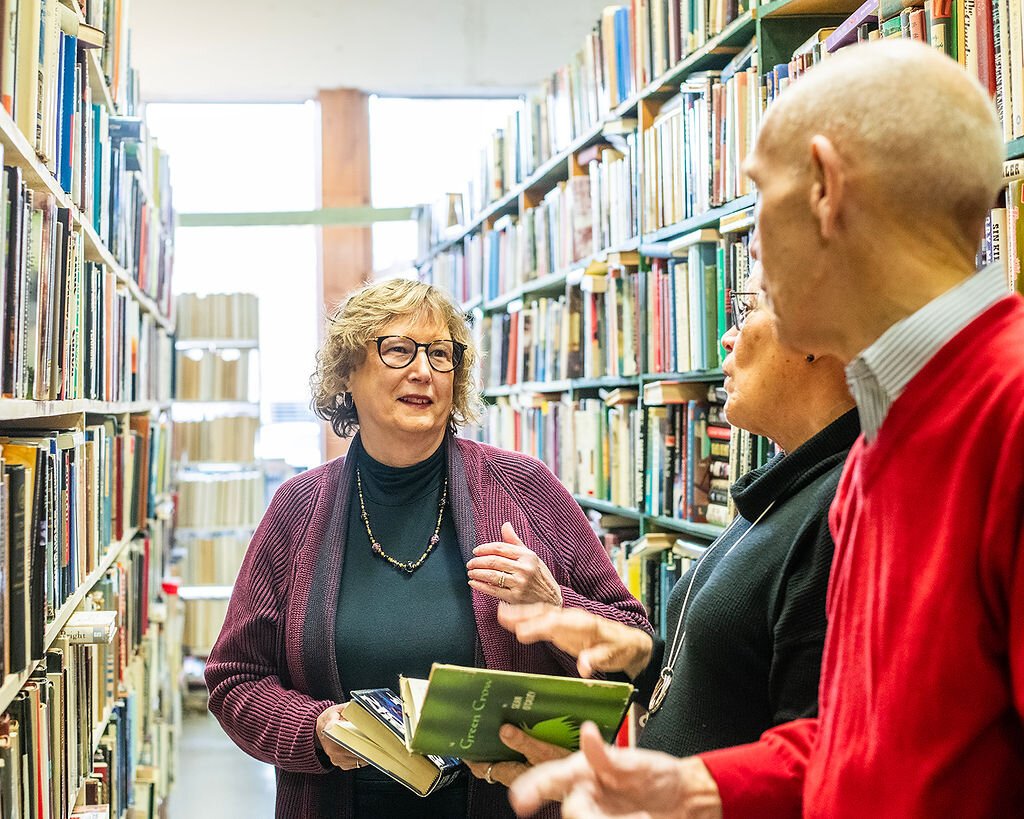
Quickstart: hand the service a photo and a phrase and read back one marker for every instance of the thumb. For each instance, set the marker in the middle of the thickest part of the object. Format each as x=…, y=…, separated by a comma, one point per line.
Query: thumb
x=508, y=535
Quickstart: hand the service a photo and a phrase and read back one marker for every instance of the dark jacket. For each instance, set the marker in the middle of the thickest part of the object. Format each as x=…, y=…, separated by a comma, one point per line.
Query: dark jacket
x=755, y=621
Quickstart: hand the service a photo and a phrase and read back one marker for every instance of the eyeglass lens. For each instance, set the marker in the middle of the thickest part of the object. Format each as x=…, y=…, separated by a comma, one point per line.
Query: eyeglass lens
x=399, y=351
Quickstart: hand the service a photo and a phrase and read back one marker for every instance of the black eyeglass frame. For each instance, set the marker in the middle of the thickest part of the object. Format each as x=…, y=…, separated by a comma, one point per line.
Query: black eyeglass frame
x=458, y=351
x=741, y=309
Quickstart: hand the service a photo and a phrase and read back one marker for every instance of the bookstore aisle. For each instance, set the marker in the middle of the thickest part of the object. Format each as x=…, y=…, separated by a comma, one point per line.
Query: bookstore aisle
x=214, y=773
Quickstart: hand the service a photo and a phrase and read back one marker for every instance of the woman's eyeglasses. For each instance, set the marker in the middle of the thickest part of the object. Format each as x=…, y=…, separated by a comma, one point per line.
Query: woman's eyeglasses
x=743, y=304
x=398, y=352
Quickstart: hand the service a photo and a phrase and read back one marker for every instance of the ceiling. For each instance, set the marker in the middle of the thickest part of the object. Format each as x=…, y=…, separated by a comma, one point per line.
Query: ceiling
x=272, y=51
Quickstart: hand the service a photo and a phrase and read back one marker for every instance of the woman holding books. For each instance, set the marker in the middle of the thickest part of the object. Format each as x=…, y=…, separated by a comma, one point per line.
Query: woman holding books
x=746, y=624
x=394, y=557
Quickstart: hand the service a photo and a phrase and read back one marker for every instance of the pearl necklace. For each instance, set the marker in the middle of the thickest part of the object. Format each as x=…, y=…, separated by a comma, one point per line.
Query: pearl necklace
x=408, y=566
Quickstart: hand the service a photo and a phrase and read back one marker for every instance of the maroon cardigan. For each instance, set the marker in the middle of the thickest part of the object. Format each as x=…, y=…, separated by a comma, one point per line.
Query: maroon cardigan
x=273, y=669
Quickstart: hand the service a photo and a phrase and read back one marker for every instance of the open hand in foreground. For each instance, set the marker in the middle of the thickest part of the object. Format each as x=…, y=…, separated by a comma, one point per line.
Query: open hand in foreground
x=601, y=782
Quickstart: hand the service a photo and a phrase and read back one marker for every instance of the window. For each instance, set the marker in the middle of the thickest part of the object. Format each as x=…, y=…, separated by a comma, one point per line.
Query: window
x=227, y=158
x=419, y=150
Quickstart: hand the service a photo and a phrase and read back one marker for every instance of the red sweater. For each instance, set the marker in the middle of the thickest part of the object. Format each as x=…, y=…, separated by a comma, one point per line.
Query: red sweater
x=921, y=702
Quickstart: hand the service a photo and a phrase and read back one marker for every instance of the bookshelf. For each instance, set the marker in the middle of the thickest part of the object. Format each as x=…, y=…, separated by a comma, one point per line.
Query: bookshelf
x=586, y=412
x=84, y=409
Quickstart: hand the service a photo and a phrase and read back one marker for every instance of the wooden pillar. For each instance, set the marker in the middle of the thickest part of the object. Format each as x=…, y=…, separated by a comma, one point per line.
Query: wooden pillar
x=346, y=253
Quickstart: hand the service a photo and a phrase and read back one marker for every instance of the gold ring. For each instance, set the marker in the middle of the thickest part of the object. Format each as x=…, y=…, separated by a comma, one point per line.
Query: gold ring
x=501, y=585
x=487, y=776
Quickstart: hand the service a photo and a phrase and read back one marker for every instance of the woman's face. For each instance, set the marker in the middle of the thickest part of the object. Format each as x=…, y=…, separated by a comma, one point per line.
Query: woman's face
x=758, y=370
x=406, y=407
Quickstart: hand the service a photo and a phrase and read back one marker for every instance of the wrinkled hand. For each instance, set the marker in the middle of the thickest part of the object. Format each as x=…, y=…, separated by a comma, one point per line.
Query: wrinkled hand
x=511, y=572
x=598, y=644
x=340, y=757
x=600, y=782
x=534, y=750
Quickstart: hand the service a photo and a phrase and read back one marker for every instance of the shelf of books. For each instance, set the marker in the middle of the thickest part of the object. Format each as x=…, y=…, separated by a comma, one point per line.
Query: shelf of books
x=220, y=481
x=89, y=709
x=609, y=222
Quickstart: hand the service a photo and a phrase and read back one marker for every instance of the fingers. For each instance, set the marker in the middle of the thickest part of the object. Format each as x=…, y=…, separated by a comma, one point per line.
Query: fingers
x=503, y=595
x=508, y=534
x=508, y=616
x=496, y=563
x=549, y=782
x=597, y=754
x=507, y=550
x=569, y=629
x=535, y=750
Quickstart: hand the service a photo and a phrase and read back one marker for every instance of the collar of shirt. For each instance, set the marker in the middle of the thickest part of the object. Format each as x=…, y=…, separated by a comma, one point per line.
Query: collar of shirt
x=880, y=373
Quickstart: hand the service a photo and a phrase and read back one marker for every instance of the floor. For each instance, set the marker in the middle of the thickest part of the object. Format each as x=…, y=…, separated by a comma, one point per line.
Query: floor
x=214, y=774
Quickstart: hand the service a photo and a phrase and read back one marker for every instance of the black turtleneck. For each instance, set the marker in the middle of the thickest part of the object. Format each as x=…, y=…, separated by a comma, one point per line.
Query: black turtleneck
x=755, y=621
x=390, y=622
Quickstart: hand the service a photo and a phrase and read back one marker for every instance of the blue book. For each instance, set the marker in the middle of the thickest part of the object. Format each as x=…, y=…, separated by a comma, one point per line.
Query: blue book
x=66, y=96
x=624, y=59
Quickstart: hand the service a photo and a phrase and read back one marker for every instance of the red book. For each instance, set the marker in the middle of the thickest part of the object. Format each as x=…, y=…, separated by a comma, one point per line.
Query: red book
x=985, y=45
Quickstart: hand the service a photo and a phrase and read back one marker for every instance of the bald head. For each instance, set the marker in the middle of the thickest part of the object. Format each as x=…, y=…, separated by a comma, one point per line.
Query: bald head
x=905, y=118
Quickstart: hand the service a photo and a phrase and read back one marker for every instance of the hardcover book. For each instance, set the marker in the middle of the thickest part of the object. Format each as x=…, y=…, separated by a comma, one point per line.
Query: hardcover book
x=373, y=729
x=459, y=710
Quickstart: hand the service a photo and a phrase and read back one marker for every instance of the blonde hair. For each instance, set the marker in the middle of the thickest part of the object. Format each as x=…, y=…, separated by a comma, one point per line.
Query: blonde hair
x=362, y=316
x=913, y=120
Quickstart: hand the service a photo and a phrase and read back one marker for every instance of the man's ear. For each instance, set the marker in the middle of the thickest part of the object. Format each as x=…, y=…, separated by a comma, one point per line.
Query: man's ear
x=827, y=190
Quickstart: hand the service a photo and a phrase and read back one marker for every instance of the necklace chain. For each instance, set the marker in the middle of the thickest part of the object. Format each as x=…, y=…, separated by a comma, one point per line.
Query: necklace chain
x=665, y=677
x=408, y=566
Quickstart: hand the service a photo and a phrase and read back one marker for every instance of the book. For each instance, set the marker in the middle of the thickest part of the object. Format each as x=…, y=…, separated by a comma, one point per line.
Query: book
x=373, y=729
x=91, y=627
x=459, y=710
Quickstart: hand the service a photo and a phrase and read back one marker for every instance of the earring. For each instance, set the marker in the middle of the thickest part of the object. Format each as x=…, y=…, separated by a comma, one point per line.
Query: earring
x=809, y=358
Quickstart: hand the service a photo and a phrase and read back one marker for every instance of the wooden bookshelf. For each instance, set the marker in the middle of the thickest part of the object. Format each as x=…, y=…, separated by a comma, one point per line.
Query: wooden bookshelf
x=701, y=220
x=14, y=409
x=588, y=502
x=113, y=554
x=703, y=530
x=15, y=682
x=98, y=83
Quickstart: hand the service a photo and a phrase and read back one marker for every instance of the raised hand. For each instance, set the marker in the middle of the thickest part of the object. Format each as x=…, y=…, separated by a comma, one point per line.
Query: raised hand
x=601, y=782
x=598, y=644
x=511, y=572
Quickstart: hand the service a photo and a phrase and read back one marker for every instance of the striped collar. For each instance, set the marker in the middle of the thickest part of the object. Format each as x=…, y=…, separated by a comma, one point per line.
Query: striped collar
x=880, y=373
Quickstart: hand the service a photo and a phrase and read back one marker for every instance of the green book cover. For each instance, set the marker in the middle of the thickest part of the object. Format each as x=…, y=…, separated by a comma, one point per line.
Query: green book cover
x=458, y=711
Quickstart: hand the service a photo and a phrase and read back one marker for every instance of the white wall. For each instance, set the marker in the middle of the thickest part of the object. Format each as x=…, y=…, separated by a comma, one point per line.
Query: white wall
x=268, y=50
